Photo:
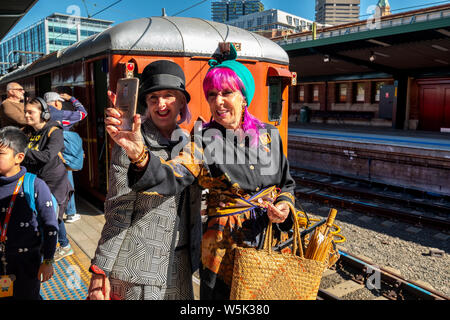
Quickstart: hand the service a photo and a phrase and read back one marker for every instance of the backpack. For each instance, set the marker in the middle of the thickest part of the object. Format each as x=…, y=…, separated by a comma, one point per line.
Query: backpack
x=73, y=154
x=28, y=189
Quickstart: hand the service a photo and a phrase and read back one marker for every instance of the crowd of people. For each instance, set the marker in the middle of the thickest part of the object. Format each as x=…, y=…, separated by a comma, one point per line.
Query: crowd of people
x=32, y=144
x=153, y=239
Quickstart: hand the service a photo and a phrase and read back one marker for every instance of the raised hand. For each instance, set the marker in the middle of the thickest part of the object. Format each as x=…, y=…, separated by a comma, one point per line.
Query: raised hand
x=131, y=141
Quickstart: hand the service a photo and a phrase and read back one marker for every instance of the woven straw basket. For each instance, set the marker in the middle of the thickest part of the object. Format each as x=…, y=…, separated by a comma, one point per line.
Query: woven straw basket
x=268, y=275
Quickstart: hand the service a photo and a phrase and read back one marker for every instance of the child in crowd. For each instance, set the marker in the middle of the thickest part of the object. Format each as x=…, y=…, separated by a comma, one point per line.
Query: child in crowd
x=45, y=142
x=22, y=244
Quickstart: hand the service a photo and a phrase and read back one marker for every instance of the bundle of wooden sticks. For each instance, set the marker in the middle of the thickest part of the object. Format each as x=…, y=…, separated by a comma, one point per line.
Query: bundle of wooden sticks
x=320, y=243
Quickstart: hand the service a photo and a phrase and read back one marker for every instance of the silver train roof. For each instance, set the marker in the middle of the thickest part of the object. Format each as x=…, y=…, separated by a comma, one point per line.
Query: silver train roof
x=168, y=36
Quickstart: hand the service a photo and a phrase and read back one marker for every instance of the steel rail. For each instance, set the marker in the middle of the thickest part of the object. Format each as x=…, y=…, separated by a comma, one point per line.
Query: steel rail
x=374, y=183
x=417, y=219
x=393, y=279
x=343, y=189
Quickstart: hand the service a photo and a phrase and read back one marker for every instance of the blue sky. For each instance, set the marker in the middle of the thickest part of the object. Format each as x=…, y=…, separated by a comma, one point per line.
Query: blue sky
x=133, y=9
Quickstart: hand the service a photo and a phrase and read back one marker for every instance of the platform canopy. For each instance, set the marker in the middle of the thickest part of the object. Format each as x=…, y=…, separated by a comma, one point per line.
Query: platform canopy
x=11, y=11
x=412, y=43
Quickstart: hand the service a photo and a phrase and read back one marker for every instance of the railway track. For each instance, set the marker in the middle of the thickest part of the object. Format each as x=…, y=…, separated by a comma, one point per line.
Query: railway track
x=352, y=273
x=411, y=206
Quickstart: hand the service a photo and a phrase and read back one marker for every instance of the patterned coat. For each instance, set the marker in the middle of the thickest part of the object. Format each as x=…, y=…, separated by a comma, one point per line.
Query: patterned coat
x=149, y=239
x=237, y=175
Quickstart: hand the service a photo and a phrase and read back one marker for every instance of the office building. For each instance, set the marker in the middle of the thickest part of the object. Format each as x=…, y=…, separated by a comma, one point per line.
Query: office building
x=225, y=10
x=336, y=12
x=50, y=34
x=272, y=19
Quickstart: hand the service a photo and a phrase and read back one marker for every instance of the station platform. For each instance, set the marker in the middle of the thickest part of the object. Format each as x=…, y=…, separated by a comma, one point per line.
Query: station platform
x=376, y=135
x=71, y=277
x=408, y=159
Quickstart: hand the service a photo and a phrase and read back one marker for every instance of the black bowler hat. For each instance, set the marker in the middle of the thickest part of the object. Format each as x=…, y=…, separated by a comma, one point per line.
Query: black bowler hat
x=162, y=75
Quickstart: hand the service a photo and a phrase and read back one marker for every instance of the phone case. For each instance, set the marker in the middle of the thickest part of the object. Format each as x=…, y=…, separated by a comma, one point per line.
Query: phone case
x=126, y=101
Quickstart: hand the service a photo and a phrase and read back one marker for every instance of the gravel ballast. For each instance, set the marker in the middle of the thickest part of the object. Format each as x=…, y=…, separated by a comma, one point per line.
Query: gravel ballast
x=420, y=254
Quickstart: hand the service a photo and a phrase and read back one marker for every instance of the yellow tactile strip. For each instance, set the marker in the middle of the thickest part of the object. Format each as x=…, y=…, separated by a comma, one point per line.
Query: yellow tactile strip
x=69, y=282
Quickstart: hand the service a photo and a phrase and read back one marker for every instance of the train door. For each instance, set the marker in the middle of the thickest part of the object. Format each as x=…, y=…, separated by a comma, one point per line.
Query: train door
x=43, y=84
x=97, y=155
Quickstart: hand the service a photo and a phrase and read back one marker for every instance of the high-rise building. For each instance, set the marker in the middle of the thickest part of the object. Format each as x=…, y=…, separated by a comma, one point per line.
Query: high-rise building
x=225, y=10
x=273, y=22
x=272, y=19
x=49, y=34
x=337, y=11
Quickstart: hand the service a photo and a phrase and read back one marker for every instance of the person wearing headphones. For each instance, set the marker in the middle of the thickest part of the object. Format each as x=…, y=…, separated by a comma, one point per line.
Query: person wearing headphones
x=45, y=142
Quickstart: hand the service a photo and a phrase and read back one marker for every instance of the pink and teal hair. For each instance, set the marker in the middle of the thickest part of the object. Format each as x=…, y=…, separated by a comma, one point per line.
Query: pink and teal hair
x=226, y=79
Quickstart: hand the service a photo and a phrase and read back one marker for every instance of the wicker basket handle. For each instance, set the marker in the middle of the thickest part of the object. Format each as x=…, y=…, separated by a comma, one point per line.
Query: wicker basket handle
x=297, y=241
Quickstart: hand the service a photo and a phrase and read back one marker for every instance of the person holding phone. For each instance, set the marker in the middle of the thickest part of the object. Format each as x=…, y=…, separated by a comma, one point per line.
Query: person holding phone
x=150, y=244
x=237, y=158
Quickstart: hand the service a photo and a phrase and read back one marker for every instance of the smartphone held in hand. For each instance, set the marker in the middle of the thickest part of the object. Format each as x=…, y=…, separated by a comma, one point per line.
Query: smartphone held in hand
x=126, y=101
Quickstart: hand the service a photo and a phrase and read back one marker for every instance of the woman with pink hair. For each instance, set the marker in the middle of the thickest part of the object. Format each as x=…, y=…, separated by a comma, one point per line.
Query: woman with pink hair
x=238, y=159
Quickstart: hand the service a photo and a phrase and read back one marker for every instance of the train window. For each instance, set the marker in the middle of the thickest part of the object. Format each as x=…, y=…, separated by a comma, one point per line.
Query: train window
x=275, y=101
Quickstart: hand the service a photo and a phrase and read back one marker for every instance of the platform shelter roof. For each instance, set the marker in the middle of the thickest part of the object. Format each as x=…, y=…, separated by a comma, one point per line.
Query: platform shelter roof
x=412, y=43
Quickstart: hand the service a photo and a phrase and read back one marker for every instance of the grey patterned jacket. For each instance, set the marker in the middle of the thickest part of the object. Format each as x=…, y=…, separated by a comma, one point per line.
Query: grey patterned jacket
x=143, y=231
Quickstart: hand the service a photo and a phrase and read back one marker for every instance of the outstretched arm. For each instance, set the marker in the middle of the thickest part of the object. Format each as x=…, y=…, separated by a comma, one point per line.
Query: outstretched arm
x=147, y=172
x=72, y=117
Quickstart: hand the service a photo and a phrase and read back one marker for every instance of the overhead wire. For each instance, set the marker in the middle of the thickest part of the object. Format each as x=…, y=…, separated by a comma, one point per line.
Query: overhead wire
x=133, y=13
x=113, y=4
x=199, y=3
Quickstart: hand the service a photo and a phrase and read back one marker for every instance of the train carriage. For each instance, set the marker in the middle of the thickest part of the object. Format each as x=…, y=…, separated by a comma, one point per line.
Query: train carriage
x=93, y=66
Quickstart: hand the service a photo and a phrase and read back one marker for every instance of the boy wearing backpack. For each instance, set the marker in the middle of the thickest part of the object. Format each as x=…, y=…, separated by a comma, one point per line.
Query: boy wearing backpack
x=27, y=235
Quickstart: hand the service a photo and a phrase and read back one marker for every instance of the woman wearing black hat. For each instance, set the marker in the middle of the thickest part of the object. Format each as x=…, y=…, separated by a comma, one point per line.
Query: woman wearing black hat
x=145, y=250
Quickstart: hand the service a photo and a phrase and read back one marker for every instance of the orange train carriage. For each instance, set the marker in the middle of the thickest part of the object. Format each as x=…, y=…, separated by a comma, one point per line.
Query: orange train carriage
x=93, y=66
